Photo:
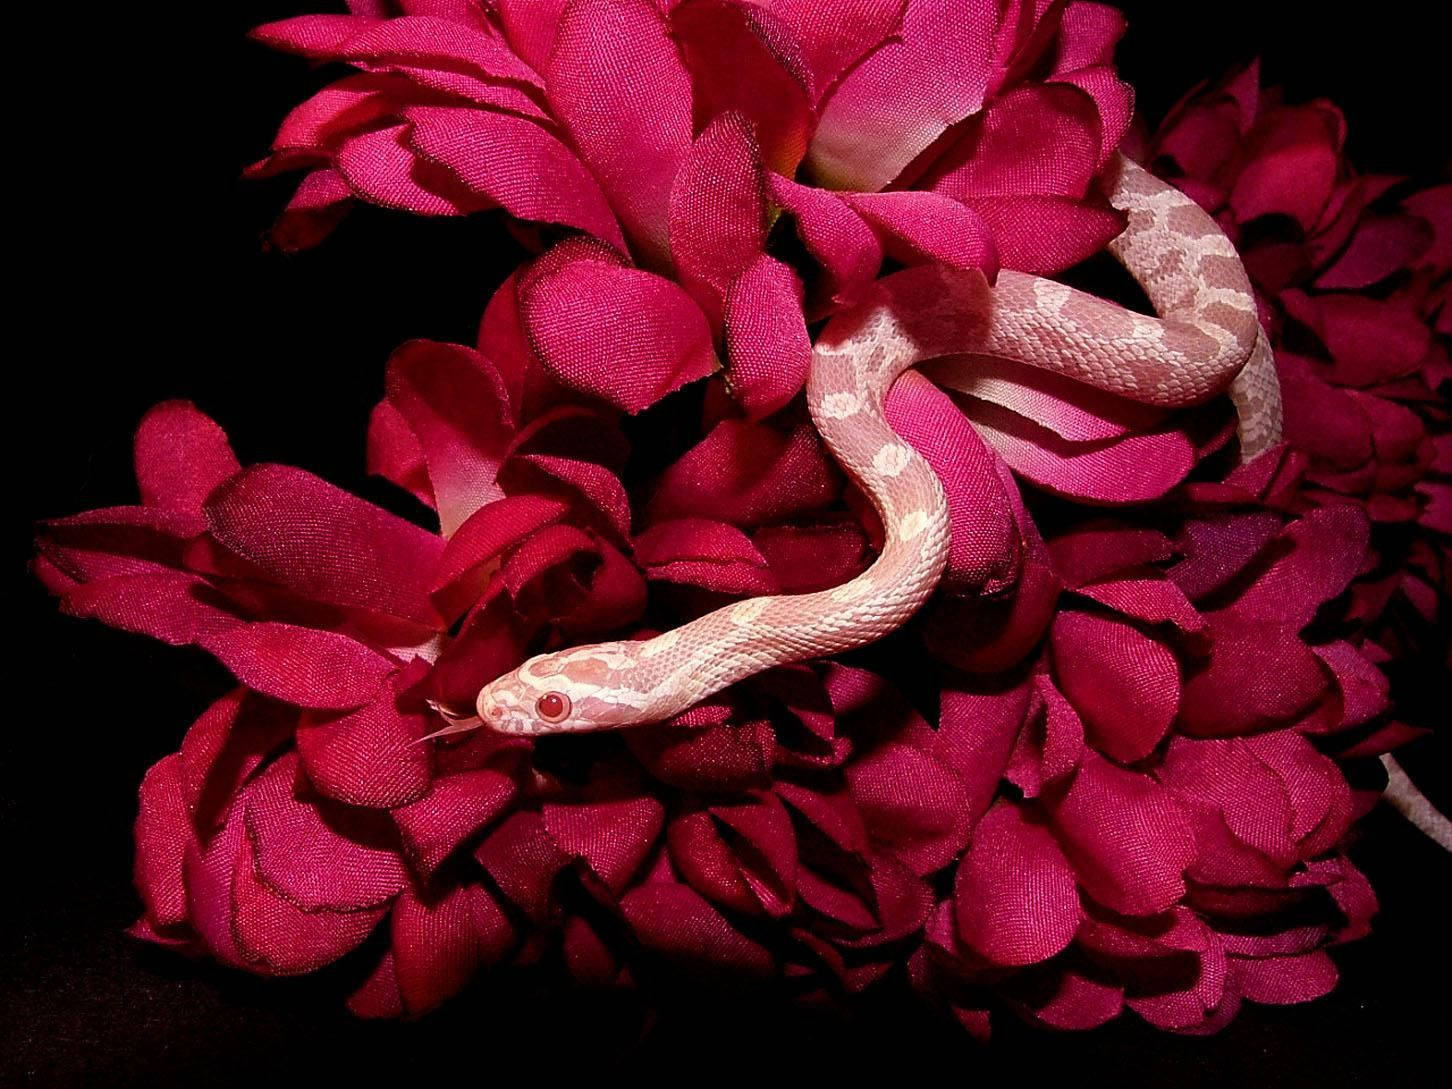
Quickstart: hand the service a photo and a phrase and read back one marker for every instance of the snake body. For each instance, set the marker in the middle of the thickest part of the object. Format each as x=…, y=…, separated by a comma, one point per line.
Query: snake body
x=1206, y=340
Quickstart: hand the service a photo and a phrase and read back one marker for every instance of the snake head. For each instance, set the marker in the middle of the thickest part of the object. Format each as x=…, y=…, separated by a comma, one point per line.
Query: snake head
x=571, y=691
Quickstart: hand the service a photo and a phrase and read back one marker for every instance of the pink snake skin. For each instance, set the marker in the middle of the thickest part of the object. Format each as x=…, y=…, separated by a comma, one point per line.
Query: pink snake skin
x=1206, y=341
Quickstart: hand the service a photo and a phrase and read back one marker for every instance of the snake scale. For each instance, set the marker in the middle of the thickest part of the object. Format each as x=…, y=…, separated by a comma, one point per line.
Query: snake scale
x=1206, y=340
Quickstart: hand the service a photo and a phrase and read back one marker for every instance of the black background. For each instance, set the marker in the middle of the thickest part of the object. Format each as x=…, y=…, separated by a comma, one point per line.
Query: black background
x=138, y=275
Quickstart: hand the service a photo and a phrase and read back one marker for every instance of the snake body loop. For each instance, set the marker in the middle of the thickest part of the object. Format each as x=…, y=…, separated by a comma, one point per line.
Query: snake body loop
x=1206, y=341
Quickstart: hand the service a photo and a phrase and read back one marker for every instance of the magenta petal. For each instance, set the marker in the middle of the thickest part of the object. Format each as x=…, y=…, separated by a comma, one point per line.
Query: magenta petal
x=324, y=543
x=718, y=210
x=455, y=402
x=701, y=552
x=1290, y=168
x=831, y=42
x=380, y=166
x=768, y=350
x=440, y=942
x=678, y=922
x=1124, y=684
x=1129, y=470
x=163, y=832
x=914, y=806
x=369, y=756
x=303, y=666
x=611, y=836
x=1045, y=235
x=515, y=163
x=473, y=552
x=1285, y=980
x=1016, y=898
x=395, y=453
x=321, y=856
x=1038, y=139
x=1321, y=552
x=983, y=547
x=884, y=113
x=280, y=938
x=181, y=456
x=455, y=808
x=748, y=473
x=616, y=79
x=840, y=239
x=742, y=59
x=919, y=226
x=1259, y=674
x=627, y=336
x=1128, y=838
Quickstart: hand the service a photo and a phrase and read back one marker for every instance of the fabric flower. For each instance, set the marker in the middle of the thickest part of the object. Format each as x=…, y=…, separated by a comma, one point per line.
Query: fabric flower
x=676, y=136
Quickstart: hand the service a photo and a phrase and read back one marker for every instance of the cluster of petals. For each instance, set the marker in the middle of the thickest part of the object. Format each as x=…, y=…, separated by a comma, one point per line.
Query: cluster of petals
x=1354, y=274
x=1101, y=772
x=684, y=145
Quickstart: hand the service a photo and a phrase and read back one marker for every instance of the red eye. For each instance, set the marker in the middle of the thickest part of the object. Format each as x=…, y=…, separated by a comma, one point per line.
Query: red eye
x=552, y=706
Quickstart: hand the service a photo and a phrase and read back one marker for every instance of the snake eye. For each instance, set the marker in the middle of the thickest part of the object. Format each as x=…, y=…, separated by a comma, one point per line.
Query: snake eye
x=552, y=706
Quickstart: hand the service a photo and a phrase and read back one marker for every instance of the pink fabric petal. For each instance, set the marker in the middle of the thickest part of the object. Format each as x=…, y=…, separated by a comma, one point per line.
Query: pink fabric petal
x=326, y=544
x=1259, y=674
x=983, y=547
x=1125, y=684
x=700, y=552
x=367, y=757
x=321, y=856
x=1129, y=470
x=456, y=808
x=612, y=836
x=920, y=226
x=742, y=58
x=627, y=336
x=455, y=403
x=516, y=164
x=438, y=943
x=673, y=920
x=718, y=210
x=475, y=549
x=882, y=114
x=1128, y=838
x=914, y=806
x=1290, y=168
x=748, y=473
x=840, y=239
x=768, y=350
x=181, y=456
x=1285, y=980
x=298, y=665
x=1322, y=551
x=1015, y=894
x=162, y=832
x=616, y=79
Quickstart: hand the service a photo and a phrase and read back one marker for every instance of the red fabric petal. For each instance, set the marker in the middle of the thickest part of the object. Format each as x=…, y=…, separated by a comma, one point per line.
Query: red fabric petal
x=515, y=163
x=1015, y=894
x=616, y=79
x=320, y=856
x=1128, y=838
x=455, y=808
x=673, y=920
x=369, y=756
x=768, y=350
x=627, y=336
x=455, y=403
x=1125, y=684
x=748, y=473
x=742, y=58
x=326, y=544
x=181, y=456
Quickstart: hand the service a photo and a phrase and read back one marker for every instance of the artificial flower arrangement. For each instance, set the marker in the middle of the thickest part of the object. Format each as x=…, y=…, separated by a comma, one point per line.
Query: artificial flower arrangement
x=1105, y=768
